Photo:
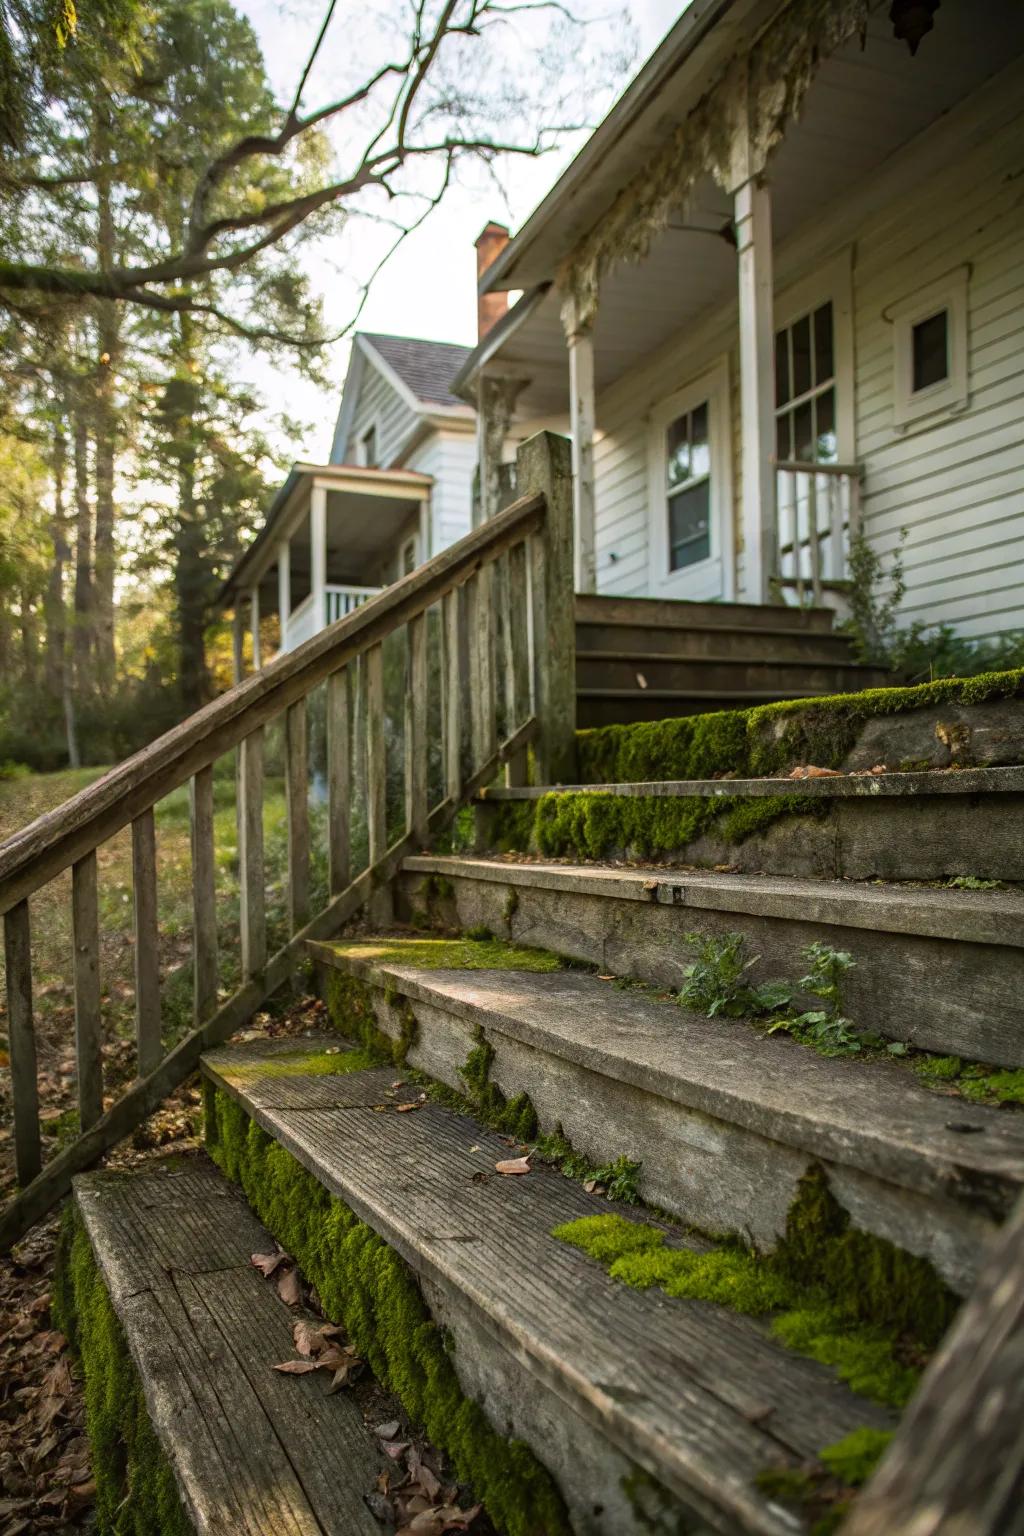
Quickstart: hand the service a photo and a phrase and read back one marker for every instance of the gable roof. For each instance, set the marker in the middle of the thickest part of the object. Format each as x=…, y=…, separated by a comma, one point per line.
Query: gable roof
x=427, y=368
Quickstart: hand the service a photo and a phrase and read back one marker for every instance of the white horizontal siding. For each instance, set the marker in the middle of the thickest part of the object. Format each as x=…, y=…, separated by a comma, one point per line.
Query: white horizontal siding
x=451, y=459
x=379, y=405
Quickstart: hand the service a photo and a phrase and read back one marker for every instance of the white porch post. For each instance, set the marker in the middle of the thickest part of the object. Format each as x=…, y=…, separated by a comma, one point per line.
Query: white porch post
x=237, y=651
x=753, y=218
x=580, y=341
x=284, y=587
x=318, y=554
x=254, y=621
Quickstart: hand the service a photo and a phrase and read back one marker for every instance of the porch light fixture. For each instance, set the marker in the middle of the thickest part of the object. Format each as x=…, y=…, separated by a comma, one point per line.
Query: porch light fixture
x=911, y=20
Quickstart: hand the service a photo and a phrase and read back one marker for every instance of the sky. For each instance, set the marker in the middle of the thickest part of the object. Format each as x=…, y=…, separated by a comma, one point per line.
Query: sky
x=429, y=287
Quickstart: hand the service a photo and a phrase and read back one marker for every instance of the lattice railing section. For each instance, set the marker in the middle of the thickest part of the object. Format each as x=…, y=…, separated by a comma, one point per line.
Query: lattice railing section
x=410, y=705
x=817, y=515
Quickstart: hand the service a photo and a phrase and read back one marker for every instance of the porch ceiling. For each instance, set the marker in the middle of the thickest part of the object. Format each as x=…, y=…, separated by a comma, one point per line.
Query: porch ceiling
x=863, y=107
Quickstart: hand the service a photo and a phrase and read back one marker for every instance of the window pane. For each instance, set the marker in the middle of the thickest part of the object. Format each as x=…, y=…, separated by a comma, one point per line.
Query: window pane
x=825, y=426
x=783, y=446
x=689, y=526
x=823, y=364
x=678, y=451
x=802, y=356
x=803, y=433
x=700, y=460
x=931, y=350
x=782, y=390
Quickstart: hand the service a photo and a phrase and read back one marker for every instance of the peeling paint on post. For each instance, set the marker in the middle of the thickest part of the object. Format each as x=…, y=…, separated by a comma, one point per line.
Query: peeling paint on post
x=543, y=465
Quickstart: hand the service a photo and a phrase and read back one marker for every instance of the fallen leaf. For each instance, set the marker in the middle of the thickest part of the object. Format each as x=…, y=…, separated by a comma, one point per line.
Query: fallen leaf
x=311, y=1339
x=396, y=1449
x=289, y=1287
x=513, y=1165
x=297, y=1367
x=389, y=1430
x=267, y=1263
x=403, y=1109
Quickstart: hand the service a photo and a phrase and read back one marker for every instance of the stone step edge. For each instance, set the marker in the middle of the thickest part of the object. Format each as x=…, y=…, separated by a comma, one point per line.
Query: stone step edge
x=960, y=1171
x=841, y=664
x=975, y=917
x=959, y=781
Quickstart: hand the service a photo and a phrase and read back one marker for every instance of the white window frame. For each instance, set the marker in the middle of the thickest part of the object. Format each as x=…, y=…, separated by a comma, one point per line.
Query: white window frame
x=412, y=542
x=830, y=283
x=374, y=427
x=713, y=578
x=949, y=396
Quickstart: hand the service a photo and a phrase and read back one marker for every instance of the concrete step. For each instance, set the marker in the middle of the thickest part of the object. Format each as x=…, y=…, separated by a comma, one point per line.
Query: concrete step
x=649, y=669
x=942, y=970
x=725, y=1120
x=251, y=1450
x=895, y=826
x=593, y=609
x=596, y=707
x=720, y=639
x=606, y=1384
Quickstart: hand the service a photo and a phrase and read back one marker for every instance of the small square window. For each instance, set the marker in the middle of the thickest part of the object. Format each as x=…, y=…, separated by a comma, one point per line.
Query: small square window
x=930, y=348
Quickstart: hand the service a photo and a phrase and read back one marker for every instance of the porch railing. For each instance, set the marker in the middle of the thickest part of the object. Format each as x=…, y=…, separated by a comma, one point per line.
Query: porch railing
x=493, y=612
x=338, y=603
x=817, y=515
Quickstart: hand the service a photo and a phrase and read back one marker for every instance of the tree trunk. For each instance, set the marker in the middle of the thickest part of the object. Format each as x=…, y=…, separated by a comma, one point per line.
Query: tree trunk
x=56, y=629
x=190, y=575
x=109, y=338
x=83, y=634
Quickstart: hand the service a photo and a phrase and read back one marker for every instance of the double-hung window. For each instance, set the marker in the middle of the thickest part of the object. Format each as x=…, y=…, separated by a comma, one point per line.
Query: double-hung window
x=688, y=487
x=805, y=389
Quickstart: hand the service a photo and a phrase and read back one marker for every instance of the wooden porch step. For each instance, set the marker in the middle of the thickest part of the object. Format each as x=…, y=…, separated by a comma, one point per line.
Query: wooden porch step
x=253, y=1452
x=652, y=671
x=594, y=609
x=605, y=1383
x=723, y=1118
x=942, y=970
x=720, y=640
x=894, y=826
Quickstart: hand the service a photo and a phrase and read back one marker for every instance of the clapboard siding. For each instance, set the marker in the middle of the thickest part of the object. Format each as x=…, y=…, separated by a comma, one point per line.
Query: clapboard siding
x=955, y=482
x=451, y=459
x=379, y=404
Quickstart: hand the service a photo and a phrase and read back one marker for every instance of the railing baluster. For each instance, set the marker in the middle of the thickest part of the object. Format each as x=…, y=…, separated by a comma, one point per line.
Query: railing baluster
x=517, y=658
x=250, y=855
x=812, y=535
x=376, y=754
x=147, y=944
x=22, y=1043
x=297, y=798
x=836, y=497
x=204, y=897
x=339, y=783
x=481, y=675
x=85, y=942
x=416, y=730
x=452, y=608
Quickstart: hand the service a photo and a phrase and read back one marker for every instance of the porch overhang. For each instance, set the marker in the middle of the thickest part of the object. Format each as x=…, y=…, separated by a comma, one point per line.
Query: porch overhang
x=365, y=511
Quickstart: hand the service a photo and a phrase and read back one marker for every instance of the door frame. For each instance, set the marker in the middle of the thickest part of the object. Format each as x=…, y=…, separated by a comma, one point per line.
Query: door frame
x=714, y=578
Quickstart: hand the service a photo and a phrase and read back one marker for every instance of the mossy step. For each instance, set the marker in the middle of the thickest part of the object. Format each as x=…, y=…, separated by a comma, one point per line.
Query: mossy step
x=942, y=970
x=161, y=1293
x=723, y=1118
x=893, y=826
x=609, y=1385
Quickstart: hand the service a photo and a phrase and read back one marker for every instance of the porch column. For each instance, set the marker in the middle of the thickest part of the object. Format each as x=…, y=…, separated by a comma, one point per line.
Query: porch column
x=237, y=650
x=753, y=221
x=580, y=339
x=284, y=587
x=496, y=400
x=318, y=555
x=254, y=622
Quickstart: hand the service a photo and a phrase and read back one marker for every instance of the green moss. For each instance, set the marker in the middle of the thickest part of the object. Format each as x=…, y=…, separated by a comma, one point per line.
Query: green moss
x=463, y=954
x=437, y=887
x=655, y=1508
x=769, y=739
x=366, y=1285
x=974, y=1080
x=847, y=1298
x=813, y=1490
x=619, y=1179
x=854, y=1458
x=304, y=1063
x=136, y=1494
x=484, y=1099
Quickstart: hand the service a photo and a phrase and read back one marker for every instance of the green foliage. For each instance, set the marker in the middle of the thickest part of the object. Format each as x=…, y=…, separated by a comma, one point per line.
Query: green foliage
x=365, y=1284
x=850, y=1461
x=484, y=1099
x=136, y=1494
x=854, y=1458
x=465, y=954
x=716, y=981
x=618, y=1180
x=973, y=1079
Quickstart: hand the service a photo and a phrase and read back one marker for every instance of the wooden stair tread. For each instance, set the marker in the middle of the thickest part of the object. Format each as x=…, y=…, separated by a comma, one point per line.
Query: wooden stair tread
x=254, y=1452
x=681, y=1386
x=872, y=1116
x=962, y=781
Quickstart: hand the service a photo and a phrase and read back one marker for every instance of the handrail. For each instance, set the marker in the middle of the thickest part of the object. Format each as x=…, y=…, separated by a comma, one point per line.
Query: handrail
x=56, y=839
x=817, y=467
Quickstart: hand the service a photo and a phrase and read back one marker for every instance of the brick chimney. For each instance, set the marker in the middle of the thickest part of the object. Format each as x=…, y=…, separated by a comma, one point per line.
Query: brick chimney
x=489, y=306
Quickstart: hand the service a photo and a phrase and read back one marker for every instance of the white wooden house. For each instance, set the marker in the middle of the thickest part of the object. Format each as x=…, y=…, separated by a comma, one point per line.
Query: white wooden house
x=779, y=295
x=397, y=489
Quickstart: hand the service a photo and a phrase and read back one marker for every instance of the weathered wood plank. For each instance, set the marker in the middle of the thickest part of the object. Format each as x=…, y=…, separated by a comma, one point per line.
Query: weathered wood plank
x=147, y=944
x=204, y=897
x=544, y=467
x=452, y=618
x=956, y=1466
x=517, y=655
x=480, y=621
x=85, y=942
x=296, y=796
x=55, y=840
x=376, y=754
x=339, y=782
x=416, y=730
x=21, y=1041
x=253, y=917
x=54, y=1180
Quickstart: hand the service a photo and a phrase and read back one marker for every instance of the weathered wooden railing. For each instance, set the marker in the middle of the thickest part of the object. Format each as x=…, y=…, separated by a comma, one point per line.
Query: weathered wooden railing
x=502, y=601
x=956, y=1464
x=817, y=509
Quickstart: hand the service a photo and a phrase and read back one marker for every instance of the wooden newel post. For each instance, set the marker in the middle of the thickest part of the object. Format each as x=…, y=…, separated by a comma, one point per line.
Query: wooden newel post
x=544, y=465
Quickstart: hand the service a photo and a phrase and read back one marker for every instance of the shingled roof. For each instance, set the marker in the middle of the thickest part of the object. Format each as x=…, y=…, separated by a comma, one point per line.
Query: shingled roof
x=427, y=367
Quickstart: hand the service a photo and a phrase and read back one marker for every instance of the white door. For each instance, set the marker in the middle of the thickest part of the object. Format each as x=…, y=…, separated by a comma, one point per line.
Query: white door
x=690, y=497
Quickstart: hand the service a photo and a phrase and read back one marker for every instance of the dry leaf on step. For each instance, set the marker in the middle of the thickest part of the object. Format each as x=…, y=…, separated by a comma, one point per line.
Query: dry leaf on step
x=389, y=1430
x=297, y=1367
x=267, y=1263
x=812, y=771
x=289, y=1287
x=403, y=1109
x=513, y=1165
